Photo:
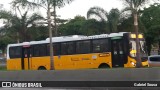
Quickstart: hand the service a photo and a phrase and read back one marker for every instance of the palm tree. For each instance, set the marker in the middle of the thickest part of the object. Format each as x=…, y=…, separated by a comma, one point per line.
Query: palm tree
x=47, y=5
x=52, y=4
x=19, y=24
x=112, y=17
x=134, y=6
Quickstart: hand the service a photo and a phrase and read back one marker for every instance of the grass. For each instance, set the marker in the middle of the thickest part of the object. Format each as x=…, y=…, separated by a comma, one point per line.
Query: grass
x=3, y=68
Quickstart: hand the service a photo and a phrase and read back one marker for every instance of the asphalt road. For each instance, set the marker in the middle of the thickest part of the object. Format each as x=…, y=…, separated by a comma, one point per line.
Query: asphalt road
x=115, y=74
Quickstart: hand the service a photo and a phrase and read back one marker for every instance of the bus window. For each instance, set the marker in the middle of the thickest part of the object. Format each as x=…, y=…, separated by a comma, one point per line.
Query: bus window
x=67, y=48
x=64, y=49
x=56, y=49
x=15, y=52
x=71, y=48
x=141, y=46
x=42, y=50
x=83, y=47
x=39, y=50
x=100, y=45
x=133, y=48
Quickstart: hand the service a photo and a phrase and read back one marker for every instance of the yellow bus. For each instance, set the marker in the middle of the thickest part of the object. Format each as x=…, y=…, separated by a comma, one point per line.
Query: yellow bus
x=78, y=52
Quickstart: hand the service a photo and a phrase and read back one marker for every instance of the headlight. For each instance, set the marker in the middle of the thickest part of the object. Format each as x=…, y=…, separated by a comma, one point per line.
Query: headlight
x=134, y=64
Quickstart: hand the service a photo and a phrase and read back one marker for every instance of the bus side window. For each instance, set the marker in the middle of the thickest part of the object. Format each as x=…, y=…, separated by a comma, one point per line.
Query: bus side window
x=39, y=50
x=25, y=53
x=83, y=47
x=64, y=48
x=100, y=45
x=42, y=50
x=15, y=52
x=56, y=49
x=71, y=48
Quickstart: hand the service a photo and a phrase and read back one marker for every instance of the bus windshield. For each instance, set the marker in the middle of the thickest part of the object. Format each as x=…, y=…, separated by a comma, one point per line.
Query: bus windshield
x=142, y=45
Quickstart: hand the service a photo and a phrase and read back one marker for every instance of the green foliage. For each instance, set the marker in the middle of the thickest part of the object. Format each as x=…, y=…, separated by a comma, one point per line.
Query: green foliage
x=134, y=5
x=126, y=25
x=93, y=27
x=80, y=26
x=72, y=27
x=151, y=21
x=52, y=3
x=150, y=16
x=3, y=68
x=23, y=4
x=19, y=25
x=37, y=32
x=111, y=18
x=17, y=28
x=99, y=12
x=4, y=40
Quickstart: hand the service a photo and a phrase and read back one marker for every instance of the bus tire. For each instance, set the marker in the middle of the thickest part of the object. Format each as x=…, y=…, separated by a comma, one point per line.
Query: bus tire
x=104, y=65
x=42, y=68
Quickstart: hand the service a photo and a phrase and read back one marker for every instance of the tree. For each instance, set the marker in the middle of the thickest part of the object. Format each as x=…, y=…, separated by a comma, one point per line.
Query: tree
x=80, y=26
x=19, y=25
x=4, y=39
x=73, y=27
x=4, y=42
x=126, y=25
x=37, y=32
x=151, y=20
x=112, y=18
x=48, y=4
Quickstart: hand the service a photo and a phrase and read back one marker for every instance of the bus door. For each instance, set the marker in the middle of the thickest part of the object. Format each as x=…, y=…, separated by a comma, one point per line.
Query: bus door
x=117, y=53
x=26, y=58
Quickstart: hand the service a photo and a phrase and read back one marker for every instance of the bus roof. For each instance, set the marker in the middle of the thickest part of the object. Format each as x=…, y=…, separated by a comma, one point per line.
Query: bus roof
x=69, y=38
x=82, y=37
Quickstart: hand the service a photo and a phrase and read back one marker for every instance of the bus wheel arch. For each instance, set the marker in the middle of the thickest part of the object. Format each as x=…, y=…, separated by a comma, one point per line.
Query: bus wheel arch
x=42, y=68
x=103, y=65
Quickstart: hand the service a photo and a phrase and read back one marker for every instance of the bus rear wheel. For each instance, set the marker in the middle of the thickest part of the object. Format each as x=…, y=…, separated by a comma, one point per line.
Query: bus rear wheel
x=104, y=65
x=42, y=68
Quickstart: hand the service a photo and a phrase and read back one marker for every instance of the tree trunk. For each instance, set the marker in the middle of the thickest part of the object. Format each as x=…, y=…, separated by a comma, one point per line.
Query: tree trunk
x=139, y=63
x=50, y=36
x=55, y=21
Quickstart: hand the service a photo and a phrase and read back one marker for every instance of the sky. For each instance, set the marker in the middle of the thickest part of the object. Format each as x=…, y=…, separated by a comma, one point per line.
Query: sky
x=77, y=7
x=80, y=7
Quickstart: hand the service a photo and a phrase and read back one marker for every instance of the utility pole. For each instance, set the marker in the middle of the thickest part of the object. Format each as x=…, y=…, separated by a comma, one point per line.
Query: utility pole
x=50, y=37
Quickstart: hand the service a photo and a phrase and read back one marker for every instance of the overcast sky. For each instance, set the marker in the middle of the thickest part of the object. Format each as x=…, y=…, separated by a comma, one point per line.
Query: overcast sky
x=78, y=7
